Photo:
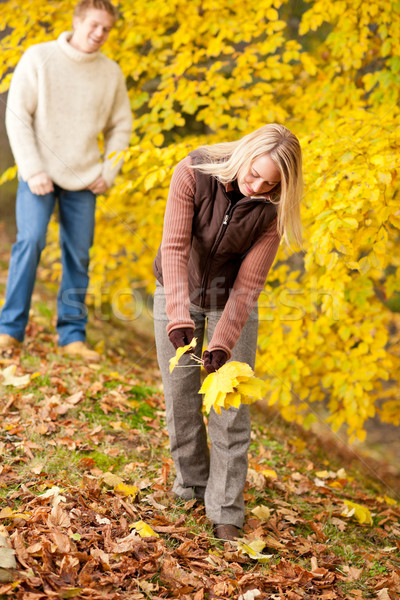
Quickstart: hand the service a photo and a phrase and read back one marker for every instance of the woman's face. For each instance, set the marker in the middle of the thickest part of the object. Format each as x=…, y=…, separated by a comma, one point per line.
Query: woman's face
x=259, y=178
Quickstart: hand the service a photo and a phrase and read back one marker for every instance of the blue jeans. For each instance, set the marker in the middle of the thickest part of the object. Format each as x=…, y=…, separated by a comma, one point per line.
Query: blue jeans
x=76, y=237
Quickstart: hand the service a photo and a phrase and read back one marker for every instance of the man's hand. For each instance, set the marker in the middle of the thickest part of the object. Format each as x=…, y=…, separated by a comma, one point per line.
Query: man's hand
x=40, y=184
x=181, y=337
x=99, y=186
x=214, y=360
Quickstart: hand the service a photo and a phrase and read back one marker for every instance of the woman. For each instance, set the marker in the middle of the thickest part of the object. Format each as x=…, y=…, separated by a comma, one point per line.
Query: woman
x=229, y=204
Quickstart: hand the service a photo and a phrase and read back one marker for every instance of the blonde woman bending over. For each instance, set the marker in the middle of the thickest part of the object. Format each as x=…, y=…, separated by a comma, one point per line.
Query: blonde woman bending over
x=228, y=207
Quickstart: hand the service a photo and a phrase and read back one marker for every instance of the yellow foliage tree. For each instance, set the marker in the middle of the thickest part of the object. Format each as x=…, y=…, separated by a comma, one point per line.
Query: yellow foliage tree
x=207, y=70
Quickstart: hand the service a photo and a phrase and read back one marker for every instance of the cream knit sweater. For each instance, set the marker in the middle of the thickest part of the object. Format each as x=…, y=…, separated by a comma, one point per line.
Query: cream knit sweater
x=60, y=100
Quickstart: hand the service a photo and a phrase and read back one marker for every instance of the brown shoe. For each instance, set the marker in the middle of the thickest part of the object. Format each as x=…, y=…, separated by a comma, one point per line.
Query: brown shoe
x=227, y=533
x=7, y=341
x=80, y=350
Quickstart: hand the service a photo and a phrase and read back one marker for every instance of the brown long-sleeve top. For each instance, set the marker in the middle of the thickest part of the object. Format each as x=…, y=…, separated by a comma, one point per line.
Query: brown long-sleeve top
x=175, y=252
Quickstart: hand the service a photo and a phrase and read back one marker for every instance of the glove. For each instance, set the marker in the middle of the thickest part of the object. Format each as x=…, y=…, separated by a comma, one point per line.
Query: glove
x=214, y=360
x=181, y=337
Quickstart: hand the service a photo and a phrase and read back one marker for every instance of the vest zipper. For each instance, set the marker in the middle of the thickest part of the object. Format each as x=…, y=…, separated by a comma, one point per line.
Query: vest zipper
x=215, y=247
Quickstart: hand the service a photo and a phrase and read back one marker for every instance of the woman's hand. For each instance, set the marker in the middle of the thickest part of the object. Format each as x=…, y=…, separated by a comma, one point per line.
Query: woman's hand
x=181, y=337
x=212, y=361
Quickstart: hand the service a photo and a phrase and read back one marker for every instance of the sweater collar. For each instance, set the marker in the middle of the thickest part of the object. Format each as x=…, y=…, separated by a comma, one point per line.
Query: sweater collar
x=73, y=53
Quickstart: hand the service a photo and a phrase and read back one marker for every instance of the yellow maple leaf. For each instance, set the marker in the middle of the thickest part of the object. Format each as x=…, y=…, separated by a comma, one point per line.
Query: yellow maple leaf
x=254, y=549
x=361, y=513
x=387, y=499
x=232, y=399
x=253, y=388
x=233, y=384
x=269, y=474
x=143, y=529
x=235, y=369
x=126, y=490
x=179, y=353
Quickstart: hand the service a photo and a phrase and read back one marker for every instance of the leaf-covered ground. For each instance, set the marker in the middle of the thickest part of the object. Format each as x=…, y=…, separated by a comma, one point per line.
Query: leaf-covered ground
x=84, y=459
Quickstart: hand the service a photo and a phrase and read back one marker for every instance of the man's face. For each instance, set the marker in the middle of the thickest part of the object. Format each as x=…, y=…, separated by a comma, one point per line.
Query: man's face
x=91, y=30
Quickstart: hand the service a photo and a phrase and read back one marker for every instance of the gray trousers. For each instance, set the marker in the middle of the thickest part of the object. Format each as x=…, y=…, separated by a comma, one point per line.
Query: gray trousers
x=217, y=476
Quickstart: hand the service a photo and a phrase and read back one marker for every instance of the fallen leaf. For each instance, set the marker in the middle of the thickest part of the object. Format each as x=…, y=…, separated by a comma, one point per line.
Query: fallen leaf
x=58, y=517
x=126, y=544
x=271, y=542
x=148, y=587
x=112, y=480
x=387, y=500
x=102, y=520
x=356, y=594
x=262, y=512
x=11, y=379
x=102, y=556
x=361, y=513
x=7, y=560
x=62, y=542
x=341, y=474
x=340, y=524
x=269, y=474
x=127, y=490
x=250, y=595
x=153, y=502
x=319, y=482
x=144, y=530
x=8, y=513
x=37, y=469
x=256, y=479
x=325, y=474
x=7, y=554
x=353, y=574
x=253, y=550
x=53, y=492
x=383, y=594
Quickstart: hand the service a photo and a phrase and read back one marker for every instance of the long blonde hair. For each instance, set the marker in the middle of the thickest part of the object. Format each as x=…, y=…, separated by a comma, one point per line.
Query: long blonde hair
x=224, y=161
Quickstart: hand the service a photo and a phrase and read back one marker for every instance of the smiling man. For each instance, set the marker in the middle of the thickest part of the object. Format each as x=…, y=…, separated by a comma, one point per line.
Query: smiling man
x=63, y=95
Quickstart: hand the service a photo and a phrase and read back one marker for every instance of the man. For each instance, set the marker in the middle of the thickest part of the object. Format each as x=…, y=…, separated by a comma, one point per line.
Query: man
x=63, y=94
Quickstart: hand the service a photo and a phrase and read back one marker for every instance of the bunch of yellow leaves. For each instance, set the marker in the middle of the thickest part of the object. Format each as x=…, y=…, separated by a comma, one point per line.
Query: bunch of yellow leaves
x=233, y=384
